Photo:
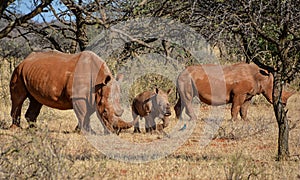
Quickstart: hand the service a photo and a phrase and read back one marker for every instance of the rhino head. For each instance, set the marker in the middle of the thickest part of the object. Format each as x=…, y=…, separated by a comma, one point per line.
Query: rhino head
x=108, y=106
x=163, y=105
x=265, y=81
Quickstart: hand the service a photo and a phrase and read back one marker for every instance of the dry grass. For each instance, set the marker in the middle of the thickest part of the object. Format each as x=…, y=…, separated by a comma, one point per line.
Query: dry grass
x=238, y=150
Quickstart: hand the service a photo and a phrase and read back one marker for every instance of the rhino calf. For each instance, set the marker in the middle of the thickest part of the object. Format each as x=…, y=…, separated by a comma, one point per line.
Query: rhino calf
x=150, y=105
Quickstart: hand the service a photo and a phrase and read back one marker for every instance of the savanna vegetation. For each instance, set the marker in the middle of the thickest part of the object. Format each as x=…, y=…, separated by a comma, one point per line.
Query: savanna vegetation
x=262, y=32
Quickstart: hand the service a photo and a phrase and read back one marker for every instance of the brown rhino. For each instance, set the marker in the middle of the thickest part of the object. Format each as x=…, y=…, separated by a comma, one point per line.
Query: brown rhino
x=81, y=81
x=150, y=104
x=235, y=84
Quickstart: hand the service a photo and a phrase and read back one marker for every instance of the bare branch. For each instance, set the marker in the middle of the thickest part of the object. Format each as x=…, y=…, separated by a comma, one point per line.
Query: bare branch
x=261, y=32
x=130, y=37
x=24, y=19
x=3, y=5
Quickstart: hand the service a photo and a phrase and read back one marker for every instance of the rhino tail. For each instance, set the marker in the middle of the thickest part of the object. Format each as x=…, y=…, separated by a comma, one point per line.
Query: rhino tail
x=178, y=108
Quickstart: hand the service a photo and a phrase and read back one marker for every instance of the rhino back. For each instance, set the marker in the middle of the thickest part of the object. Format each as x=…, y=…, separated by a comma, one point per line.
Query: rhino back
x=237, y=78
x=48, y=77
x=232, y=74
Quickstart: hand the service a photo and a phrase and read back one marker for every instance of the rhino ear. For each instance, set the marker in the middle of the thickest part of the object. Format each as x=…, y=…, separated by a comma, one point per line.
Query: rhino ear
x=106, y=80
x=265, y=73
x=169, y=91
x=262, y=75
x=99, y=85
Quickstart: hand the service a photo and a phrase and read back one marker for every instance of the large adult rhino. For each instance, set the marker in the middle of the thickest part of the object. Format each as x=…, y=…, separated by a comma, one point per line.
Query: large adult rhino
x=81, y=81
x=218, y=85
x=151, y=105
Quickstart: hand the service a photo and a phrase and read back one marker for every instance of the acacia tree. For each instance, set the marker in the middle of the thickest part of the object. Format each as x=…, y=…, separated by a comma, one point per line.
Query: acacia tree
x=15, y=19
x=72, y=20
x=269, y=35
x=75, y=20
x=274, y=24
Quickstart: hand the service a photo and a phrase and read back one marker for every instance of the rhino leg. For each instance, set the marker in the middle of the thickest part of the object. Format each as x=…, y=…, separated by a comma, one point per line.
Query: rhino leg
x=83, y=113
x=150, y=124
x=32, y=112
x=237, y=102
x=186, y=92
x=188, y=108
x=137, y=127
x=244, y=109
x=136, y=130
x=190, y=111
x=137, y=124
x=18, y=93
x=186, y=101
x=16, y=111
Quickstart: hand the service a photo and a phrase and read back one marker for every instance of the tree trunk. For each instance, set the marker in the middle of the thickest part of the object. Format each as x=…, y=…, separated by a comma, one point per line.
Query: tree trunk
x=81, y=29
x=282, y=121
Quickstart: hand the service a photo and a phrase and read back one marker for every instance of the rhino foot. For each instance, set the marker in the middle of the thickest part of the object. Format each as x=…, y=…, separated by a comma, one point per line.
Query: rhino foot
x=15, y=127
x=91, y=132
x=245, y=119
x=117, y=131
x=150, y=129
x=160, y=127
x=233, y=119
x=77, y=129
x=136, y=130
x=32, y=125
x=86, y=130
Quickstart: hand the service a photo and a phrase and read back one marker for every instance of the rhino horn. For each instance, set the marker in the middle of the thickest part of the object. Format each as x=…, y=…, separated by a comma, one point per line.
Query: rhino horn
x=120, y=124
